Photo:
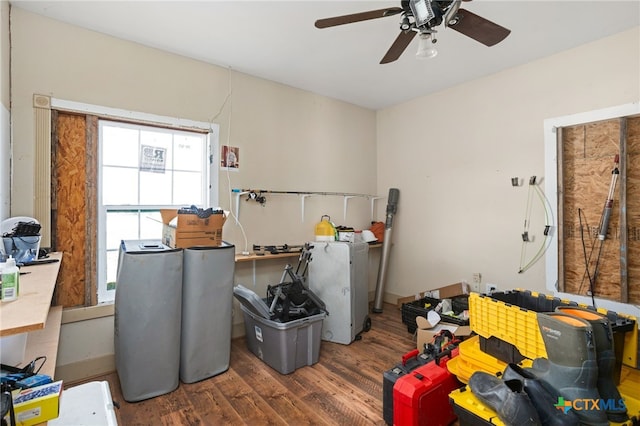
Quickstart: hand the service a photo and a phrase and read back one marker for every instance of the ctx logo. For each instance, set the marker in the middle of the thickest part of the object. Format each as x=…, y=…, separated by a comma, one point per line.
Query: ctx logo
x=589, y=404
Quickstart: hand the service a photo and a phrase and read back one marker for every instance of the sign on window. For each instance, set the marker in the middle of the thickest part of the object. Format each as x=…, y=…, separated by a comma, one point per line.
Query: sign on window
x=153, y=159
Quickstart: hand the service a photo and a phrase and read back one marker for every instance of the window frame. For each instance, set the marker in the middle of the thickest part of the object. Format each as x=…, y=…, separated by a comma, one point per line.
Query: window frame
x=212, y=130
x=551, y=146
x=104, y=294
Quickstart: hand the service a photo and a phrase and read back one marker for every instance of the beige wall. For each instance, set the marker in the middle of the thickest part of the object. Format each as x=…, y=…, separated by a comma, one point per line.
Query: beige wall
x=289, y=140
x=4, y=52
x=458, y=213
x=5, y=106
x=451, y=154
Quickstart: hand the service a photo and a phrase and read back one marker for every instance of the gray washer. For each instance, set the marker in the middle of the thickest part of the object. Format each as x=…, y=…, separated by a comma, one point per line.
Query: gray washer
x=147, y=318
x=207, y=297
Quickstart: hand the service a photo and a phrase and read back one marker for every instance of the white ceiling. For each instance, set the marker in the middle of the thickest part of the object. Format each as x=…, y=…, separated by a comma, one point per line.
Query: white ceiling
x=277, y=40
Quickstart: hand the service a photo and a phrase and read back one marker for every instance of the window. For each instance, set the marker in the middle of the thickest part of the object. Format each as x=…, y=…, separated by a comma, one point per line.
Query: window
x=593, y=130
x=143, y=169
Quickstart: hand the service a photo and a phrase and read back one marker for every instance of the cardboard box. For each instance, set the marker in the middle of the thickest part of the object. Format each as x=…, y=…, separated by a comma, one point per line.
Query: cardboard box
x=427, y=331
x=37, y=405
x=190, y=230
x=438, y=293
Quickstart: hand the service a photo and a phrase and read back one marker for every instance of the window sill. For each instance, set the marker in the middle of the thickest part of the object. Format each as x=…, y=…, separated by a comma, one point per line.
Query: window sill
x=72, y=315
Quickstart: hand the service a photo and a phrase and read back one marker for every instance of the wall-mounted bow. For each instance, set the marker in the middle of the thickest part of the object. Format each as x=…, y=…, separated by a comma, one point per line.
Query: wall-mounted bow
x=527, y=238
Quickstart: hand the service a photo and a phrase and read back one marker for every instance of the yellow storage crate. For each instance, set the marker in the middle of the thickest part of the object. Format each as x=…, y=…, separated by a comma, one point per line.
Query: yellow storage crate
x=471, y=359
x=629, y=388
x=514, y=320
x=511, y=319
x=470, y=410
x=492, y=318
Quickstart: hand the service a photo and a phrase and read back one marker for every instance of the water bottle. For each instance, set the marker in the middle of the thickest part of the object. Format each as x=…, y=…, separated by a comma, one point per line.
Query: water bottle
x=10, y=280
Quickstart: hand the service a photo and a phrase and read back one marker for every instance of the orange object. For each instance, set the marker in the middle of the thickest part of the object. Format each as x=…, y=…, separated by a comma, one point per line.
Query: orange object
x=378, y=230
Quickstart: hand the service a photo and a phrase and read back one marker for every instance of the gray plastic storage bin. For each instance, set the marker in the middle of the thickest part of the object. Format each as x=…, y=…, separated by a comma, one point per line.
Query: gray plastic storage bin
x=148, y=309
x=207, y=298
x=284, y=346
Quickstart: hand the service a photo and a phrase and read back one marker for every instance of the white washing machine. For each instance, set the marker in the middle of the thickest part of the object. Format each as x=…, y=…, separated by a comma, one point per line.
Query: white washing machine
x=339, y=276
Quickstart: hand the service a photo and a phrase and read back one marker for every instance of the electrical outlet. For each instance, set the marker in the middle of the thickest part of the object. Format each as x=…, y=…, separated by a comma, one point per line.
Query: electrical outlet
x=475, y=285
x=490, y=288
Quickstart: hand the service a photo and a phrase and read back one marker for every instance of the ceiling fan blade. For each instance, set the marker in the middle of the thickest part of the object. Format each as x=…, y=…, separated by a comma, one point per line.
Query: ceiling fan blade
x=479, y=28
x=399, y=45
x=357, y=17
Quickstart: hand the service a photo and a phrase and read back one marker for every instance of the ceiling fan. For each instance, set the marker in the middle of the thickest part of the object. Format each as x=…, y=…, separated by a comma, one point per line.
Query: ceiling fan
x=423, y=17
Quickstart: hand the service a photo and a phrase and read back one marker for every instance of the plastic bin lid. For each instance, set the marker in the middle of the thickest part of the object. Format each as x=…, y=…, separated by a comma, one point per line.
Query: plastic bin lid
x=144, y=246
x=250, y=300
x=223, y=245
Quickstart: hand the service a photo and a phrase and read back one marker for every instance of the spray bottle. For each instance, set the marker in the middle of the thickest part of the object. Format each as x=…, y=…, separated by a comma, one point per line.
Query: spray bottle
x=10, y=280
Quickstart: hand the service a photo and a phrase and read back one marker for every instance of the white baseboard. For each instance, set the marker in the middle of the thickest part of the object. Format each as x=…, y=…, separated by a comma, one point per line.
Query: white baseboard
x=86, y=369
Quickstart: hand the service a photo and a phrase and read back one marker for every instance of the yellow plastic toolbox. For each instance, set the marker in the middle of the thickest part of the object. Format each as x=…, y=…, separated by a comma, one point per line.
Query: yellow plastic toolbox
x=472, y=412
x=512, y=317
x=471, y=359
x=629, y=388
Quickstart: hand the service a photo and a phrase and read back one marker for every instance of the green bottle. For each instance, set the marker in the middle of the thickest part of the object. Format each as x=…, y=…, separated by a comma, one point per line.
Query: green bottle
x=10, y=280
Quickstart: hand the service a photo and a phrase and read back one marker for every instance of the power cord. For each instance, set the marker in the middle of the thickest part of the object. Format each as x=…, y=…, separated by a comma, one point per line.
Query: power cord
x=228, y=101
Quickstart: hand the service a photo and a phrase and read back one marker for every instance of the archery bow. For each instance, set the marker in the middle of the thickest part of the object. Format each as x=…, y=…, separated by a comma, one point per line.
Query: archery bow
x=534, y=188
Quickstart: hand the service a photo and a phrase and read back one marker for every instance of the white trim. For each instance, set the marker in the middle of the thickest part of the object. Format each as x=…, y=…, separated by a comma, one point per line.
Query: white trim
x=597, y=115
x=142, y=118
x=145, y=118
x=214, y=160
x=117, y=113
x=5, y=162
x=551, y=189
x=104, y=295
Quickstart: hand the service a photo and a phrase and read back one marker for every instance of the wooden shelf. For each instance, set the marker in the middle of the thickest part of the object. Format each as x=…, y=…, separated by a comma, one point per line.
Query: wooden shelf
x=30, y=311
x=45, y=342
x=242, y=258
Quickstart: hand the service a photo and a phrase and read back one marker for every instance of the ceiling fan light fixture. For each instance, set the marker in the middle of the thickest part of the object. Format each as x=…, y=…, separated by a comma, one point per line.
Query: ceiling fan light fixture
x=426, y=50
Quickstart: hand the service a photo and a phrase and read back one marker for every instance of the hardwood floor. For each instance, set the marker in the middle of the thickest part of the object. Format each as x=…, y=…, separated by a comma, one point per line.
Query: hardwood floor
x=344, y=387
